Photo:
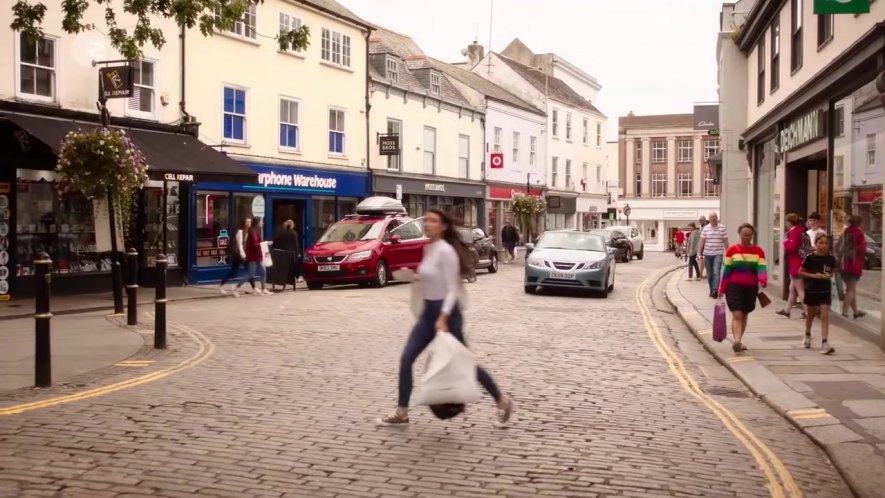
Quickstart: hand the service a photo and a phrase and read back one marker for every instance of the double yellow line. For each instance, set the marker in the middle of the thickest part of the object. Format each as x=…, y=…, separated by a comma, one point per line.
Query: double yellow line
x=780, y=482
x=206, y=348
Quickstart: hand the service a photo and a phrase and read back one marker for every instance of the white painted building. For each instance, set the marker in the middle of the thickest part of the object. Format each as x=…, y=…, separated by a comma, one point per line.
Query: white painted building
x=665, y=176
x=440, y=131
x=576, y=190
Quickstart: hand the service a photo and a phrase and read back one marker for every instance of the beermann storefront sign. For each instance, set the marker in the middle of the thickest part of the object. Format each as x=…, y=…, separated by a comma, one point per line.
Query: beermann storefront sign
x=807, y=128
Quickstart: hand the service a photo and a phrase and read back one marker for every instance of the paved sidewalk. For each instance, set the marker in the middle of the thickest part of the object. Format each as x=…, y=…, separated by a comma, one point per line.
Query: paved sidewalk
x=80, y=344
x=838, y=401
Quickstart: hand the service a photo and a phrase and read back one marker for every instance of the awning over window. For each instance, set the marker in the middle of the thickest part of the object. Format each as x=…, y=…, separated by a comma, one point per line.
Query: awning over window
x=175, y=153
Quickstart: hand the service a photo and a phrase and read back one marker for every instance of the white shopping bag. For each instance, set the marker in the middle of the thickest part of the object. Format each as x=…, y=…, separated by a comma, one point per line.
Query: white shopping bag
x=450, y=375
x=267, y=260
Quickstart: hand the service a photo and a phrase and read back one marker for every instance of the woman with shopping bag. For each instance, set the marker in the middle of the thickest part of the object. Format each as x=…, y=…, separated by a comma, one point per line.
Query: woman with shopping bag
x=256, y=250
x=743, y=273
x=440, y=272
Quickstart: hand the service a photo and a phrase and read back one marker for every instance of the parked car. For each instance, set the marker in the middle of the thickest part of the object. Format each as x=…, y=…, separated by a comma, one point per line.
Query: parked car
x=367, y=247
x=873, y=258
x=623, y=249
x=571, y=260
x=635, y=238
x=485, y=254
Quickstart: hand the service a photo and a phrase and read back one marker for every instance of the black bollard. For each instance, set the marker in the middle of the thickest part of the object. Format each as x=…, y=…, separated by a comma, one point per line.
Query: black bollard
x=132, y=286
x=160, y=304
x=42, y=316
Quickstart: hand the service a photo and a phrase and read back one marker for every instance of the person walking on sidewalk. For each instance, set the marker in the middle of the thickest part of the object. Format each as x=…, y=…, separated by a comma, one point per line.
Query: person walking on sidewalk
x=814, y=228
x=702, y=222
x=851, y=252
x=694, y=239
x=286, y=239
x=237, y=254
x=679, y=242
x=509, y=238
x=444, y=262
x=714, y=240
x=796, y=247
x=744, y=272
x=817, y=269
x=255, y=258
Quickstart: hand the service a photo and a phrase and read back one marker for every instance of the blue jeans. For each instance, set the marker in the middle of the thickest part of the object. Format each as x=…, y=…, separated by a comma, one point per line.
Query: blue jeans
x=714, y=270
x=421, y=337
x=257, y=269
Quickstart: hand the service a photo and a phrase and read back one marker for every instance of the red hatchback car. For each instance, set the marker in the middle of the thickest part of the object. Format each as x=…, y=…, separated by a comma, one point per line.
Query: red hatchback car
x=367, y=247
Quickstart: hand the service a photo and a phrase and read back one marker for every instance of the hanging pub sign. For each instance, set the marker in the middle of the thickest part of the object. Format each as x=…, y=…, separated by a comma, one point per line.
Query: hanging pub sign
x=803, y=130
x=389, y=145
x=115, y=82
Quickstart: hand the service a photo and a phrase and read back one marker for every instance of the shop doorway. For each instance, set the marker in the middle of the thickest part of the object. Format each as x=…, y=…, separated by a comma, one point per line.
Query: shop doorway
x=290, y=209
x=807, y=192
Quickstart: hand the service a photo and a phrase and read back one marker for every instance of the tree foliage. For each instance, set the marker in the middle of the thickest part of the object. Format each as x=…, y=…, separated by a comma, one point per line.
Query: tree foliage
x=210, y=16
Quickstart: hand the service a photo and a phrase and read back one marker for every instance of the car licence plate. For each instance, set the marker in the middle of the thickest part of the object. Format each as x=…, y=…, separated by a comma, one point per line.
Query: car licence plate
x=562, y=275
x=328, y=267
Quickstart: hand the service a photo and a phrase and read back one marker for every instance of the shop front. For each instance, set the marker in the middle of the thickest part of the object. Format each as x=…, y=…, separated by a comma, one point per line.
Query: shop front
x=312, y=198
x=498, y=206
x=38, y=215
x=592, y=211
x=562, y=211
x=824, y=151
x=462, y=199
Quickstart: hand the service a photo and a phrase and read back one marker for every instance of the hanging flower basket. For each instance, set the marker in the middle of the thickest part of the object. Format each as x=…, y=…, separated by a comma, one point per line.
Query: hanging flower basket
x=526, y=209
x=99, y=161
x=876, y=207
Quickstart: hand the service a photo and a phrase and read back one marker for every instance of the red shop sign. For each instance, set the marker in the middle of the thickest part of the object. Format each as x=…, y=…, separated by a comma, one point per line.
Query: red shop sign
x=496, y=192
x=869, y=195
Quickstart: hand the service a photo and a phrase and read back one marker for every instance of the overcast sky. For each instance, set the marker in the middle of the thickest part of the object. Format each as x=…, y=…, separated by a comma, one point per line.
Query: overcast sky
x=651, y=56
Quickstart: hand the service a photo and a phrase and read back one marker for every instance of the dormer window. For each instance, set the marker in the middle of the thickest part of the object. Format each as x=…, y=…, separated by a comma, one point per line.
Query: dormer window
x=392, y=70
x=435, y=83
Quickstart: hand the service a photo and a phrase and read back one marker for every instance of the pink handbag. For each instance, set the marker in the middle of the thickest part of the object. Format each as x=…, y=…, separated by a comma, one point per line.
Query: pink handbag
x=720, y=330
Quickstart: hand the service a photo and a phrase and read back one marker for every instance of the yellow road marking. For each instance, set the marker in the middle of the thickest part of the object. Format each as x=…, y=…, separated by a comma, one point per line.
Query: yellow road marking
x=806, y=411
x=705, y=332
x=815, y=416
x=768, y=462
x=135, y=363
x=740, y=359
x=206, y=349
x=115, y=315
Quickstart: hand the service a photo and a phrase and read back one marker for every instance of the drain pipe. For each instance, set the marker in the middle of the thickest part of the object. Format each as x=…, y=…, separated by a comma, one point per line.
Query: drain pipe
x=182, y=104
x=368, y=107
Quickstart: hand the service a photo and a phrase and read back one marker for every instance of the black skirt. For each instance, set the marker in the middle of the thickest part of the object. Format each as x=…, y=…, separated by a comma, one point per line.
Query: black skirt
x=741, y=297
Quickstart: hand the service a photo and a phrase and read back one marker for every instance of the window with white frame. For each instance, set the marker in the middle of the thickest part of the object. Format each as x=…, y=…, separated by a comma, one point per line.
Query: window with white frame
x=555, y=118
x=871, y=150
x=395, y=127
x=289, y=132
x=515, y=147
x=568, y=174
x=435, y=83
x=659, y=151
x=586, y=136
x=496, y=147
x=141, y=104
x=684, y=151
x=464, y=156
x=838, y=171
x=290, y=23
x=711, y=147
x=554, y=169
x=533, y=150
x=392, y=69
x=637, y=157
x=710, y=187
x=684, y=185
x=585, y=170
x=599, y=134
x=840, y=121
x=568, y=127
x=429, y=150
x=245, y=27
x=336, y=131
x=659, y=185
x=598, y=173
x=335, y=47
x=37, y=68
x=234, y=114
x=638, y=184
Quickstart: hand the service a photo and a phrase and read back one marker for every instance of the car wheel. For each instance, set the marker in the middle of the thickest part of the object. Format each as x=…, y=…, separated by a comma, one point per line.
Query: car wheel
x=493, y=268
x=611, y=286
x=628, y=256
x=380, y=275
x=530, y=289
x=314, y=285
x=605, y=291
x=641, y=252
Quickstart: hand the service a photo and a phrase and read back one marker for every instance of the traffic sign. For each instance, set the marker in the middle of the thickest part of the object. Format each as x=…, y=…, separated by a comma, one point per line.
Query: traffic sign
x=627, y=210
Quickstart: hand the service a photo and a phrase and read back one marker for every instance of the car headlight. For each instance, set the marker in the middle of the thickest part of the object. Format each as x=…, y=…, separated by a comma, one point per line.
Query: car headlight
x=595, y=265
x=533, y=261
x=360, y=256
x=308, y=259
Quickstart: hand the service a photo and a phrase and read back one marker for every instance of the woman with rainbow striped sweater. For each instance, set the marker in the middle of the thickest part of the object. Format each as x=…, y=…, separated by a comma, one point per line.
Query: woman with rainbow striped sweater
x=743, y=273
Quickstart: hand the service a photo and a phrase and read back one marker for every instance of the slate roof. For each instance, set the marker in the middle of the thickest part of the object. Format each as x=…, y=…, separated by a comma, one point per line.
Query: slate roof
x=337, y=9
x=556, y=88
x=657, y=121
x=482, y=85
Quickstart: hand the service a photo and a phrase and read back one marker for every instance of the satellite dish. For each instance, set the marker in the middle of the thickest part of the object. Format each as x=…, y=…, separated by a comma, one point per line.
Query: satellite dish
x=464, y=52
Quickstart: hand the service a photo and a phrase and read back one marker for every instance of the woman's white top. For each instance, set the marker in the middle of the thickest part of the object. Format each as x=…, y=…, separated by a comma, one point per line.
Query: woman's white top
x=440, y=274
x=240, y=240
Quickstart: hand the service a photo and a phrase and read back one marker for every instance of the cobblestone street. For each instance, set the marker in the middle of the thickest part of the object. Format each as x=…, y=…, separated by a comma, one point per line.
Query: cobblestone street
x=285, y=404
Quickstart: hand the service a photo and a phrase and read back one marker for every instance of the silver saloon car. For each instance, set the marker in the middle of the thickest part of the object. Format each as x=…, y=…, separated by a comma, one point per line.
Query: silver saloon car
x=571, y=260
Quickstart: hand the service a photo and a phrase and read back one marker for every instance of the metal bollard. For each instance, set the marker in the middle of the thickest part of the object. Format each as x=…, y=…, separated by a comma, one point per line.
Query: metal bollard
x=160, y=304
x=132, y=286
x=42, y=316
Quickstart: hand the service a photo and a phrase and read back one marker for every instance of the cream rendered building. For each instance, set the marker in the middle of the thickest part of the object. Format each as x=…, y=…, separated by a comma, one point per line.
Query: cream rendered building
x=440, y=133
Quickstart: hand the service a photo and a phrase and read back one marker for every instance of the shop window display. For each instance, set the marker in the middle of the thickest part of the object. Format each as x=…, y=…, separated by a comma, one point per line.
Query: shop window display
x=213, y=231
x=323, y=215
x=153, y=227
x=59, y=223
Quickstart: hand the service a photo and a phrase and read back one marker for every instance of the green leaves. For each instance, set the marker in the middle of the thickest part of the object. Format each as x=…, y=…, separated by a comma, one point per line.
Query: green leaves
x=210, y=16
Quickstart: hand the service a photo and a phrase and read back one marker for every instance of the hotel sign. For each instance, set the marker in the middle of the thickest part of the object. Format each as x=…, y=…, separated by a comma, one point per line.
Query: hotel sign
x=807, y=128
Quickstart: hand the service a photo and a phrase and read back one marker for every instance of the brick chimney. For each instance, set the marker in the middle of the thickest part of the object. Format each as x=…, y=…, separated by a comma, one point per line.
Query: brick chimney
x=475, y=54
